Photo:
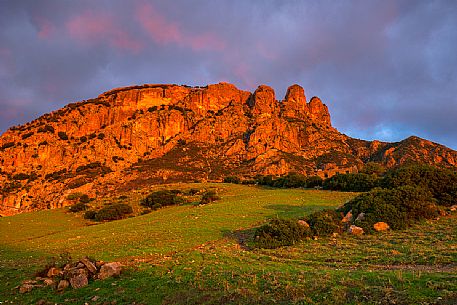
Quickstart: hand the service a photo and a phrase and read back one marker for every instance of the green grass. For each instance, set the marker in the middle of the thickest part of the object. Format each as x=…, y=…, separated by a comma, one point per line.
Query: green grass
x=191, y=255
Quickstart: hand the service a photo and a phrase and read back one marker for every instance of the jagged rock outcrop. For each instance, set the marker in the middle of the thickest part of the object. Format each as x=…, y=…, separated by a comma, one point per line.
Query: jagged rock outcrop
x=160, y=133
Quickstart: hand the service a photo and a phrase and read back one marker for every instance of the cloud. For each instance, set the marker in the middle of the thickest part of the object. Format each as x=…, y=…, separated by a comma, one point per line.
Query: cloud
x=164, y=31
x=96, y=27
x=384, y=68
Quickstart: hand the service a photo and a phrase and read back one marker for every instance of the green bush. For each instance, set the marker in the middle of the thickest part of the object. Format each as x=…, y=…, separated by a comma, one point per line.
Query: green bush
x=84, y=198
x=90, y=214
x=113, y=212
x=78, y=207
x=232, y=179
x=159, y=199
x=280, y=232
x=351, y=182
x=74, y=196
x=208, y=197
x=442, y=183
x=325, y=222
x=62, y=135
x=399, y=207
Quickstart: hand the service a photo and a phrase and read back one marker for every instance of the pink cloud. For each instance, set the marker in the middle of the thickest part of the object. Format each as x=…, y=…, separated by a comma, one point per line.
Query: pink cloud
x=90, y=27
x=45, y=28
x=165, y=31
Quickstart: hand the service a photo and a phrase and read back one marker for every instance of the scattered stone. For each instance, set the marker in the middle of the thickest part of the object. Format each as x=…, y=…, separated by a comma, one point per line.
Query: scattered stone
x=79, y=281
x=63, y=284
x=25, y=288
x=99, y=264
x=89, y=265
x=95, y=298
x=48, y=282
x=453, y=208
x=355, y=230
x=303, y=223
x=395, y=252
x=360, y=217
x=348, y=217
x=53, y=271
x=381, y=226
x=80, y=265
x=110, y=269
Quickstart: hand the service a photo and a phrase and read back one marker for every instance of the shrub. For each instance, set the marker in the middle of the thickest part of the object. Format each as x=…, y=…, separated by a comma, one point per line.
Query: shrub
x=21, y=176
x=113, y=212
x=101, y=136
x=84, y=198
x=7, y=145
x=159, y=199
x=208, y=197
x=232, y=179
x=351, y=182
x=313, y=181
x=77, y=183
x=46, y=128
x=90, y=214
x=27, y=135
x=325, y=222
x=442, y=183
x=398, y=207
x=74, y=196
x=62, y=135
x=78, y=207
x=280, y=232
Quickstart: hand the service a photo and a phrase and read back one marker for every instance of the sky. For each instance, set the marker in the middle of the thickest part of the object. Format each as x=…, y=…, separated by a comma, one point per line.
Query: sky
x=386, y=69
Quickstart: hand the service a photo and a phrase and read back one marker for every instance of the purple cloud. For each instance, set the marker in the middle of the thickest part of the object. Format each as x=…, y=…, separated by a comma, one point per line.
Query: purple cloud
x=386, y=69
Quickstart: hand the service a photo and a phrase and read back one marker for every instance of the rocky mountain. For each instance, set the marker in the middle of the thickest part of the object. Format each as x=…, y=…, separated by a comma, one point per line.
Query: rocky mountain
x=132, y=136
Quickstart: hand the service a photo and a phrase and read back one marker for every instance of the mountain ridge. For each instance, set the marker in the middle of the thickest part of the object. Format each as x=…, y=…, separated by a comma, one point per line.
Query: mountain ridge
x=160, y=133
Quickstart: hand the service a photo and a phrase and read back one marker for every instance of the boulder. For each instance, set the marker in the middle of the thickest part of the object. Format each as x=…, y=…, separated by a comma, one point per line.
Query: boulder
x=348, y=217
x=381, y=226
x=355, y=230
x=63, y=284
x=89, y=265
x=360, y=217
x=109, y=270
x=25, y=288
x=78, y=277
x=303, y=223
x=79, y=281
x=53, y=271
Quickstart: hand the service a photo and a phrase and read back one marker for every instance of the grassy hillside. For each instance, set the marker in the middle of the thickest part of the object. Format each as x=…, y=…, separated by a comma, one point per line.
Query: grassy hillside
x=191, y=254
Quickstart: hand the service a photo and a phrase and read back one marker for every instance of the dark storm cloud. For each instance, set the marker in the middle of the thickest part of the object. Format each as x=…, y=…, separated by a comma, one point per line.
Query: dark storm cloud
x=386, y=69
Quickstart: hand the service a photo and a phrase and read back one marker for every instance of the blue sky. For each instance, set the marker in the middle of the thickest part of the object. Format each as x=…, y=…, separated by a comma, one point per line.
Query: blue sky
x=385, y=69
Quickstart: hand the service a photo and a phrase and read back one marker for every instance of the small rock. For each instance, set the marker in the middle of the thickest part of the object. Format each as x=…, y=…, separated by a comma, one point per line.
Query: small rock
x=80, y=265
x=63, y=284
x=25, y=288
x=355, y=230
x=53, y=271
x=453, y=208
x=303, y=223
x=348, y=217
x=41, y=302
x=89, y=265
x=99, y=264
x=360, y=217
x=95, y=298
x=381, y=226
x=79, y=281
x=110, y=269
x=29, y=282
x=395, y=252
x=48, y=282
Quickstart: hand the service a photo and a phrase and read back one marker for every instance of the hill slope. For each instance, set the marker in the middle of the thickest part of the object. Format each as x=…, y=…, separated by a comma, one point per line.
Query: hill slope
x=168, y=133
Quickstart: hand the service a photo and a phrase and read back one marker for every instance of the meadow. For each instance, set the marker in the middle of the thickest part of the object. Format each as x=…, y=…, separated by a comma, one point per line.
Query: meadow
x=192, y=254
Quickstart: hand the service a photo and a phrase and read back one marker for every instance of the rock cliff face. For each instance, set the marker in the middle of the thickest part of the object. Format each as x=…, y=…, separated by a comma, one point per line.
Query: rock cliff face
x=135, y=135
